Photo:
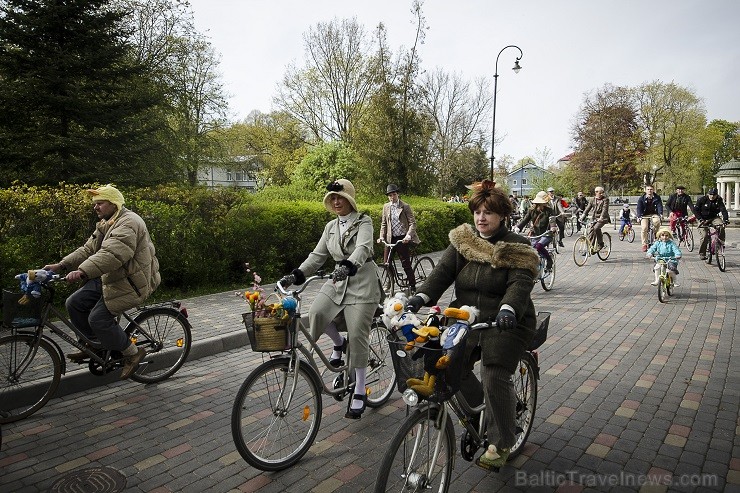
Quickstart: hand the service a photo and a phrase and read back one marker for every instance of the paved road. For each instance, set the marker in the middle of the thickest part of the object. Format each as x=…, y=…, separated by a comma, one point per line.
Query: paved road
x=631, y=390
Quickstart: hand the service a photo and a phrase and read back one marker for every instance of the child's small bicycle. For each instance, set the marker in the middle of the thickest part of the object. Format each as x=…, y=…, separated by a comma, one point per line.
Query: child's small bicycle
x=628, y=232
x=665, y=282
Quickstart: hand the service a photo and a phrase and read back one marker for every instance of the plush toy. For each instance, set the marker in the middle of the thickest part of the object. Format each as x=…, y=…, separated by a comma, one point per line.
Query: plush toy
x=407, y=322
x=430, y=352
x=31, y=284
x=393, y=307
x=463, y=317
x=433, y=318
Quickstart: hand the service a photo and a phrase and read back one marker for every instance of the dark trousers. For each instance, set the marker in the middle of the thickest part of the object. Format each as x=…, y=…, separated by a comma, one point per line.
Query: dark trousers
x=404, y=254
x=89, y=315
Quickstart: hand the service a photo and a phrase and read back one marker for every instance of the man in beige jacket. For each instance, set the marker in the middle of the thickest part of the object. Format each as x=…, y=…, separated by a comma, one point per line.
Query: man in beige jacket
x=119, y=269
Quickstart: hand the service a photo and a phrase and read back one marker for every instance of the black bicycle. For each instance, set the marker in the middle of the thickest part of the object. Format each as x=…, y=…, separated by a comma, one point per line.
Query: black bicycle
x=393, y=276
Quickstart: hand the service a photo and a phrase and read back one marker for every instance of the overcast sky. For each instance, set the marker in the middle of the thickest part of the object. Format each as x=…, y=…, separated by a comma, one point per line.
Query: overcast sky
x=570, y=47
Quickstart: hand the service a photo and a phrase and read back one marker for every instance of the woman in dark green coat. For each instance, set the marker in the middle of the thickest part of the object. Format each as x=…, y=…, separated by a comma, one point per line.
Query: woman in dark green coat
x=493, y=269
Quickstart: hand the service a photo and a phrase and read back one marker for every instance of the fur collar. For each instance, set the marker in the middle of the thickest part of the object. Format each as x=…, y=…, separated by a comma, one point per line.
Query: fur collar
x=501, y=255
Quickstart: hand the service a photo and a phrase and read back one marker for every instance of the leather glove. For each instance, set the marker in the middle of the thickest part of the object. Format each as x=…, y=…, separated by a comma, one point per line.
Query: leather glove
x=340, y=273
x=506, y=320
x=286, y=281
x=298, y=277
x=414, y=304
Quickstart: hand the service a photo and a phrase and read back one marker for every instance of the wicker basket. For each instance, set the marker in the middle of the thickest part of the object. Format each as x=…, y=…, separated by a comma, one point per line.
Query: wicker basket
x=266, y=333
x=18, y=315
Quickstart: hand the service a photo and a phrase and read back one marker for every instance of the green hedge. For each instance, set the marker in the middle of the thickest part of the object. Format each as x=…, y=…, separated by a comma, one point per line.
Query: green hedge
x=203, y=237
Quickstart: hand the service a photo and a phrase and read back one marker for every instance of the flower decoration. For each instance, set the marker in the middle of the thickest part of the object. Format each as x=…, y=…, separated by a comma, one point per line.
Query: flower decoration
x=256, y=296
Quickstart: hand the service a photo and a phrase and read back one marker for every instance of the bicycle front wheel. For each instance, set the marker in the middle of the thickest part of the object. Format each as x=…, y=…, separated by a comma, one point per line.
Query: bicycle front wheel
x=166, y=335
x=421, y=455
x=29, y=376
x=607, y=250
x=580, y=251
x=525, y=388
x=689, y=239
x=631, y=235
x=276, y=415
x=548, y=278
x=381, y=375
x=720, y=256
x=422, y=268
x=662, y=290
x=568, y=228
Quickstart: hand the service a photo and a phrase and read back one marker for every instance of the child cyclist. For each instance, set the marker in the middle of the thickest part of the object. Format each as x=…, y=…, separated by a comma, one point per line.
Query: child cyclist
x=625, y=218
x=666, y=249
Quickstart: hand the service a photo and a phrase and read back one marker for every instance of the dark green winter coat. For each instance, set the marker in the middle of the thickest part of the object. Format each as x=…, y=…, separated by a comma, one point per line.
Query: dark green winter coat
x=489, y=273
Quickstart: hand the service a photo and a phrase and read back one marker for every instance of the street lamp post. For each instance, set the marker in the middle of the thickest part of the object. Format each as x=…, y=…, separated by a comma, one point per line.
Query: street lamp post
x=516, y=68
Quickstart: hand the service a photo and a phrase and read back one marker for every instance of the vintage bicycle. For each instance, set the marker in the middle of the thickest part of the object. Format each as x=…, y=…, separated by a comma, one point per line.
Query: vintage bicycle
x=546, y=276
x=583, y=248
x=277, y=411
x=684, y=235
x=716, y=246
x=571, y=222
x=32, y=363
x=393, y=277
x=421, y=454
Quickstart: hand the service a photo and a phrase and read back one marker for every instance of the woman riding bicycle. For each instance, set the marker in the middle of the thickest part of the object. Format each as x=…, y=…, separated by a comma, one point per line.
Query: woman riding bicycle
x=353, y=291
x=493, y=269
x=665, y=248
x=542, y=218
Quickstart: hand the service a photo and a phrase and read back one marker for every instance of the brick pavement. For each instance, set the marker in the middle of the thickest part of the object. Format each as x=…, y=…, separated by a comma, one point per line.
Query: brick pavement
x=630, y=388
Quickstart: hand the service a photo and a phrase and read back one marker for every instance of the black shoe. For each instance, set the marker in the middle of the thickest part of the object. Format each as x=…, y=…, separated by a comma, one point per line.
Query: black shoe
x=702, y=256
x=356, y=413
x=560, y=243
x=338, y=362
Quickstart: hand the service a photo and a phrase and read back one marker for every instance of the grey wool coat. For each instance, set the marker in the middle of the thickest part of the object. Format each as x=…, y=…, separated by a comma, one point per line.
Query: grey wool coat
x=489, y=273
x=122, y=255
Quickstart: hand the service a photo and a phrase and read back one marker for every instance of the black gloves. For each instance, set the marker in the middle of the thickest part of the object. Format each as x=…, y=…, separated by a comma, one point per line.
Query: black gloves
x=414, y=304
x=344, y=269
x=506, y=320
x=286, y=281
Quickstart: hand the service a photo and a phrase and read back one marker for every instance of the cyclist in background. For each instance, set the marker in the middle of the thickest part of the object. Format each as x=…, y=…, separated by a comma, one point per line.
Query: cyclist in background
x=708, y=209
x=599, y=204
x=556, y=204
x=625, y=218
x=666, y=249
x=398, y=224
x=542, y=218
x=581, y=202
x=649, y=208
x=678, y=205
x=120, y=270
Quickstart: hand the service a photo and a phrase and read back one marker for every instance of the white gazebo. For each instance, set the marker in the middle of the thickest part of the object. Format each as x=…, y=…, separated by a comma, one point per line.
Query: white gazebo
x=728, y=184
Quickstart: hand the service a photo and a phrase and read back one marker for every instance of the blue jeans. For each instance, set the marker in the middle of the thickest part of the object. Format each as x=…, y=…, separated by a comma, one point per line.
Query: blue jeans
x=623, y=222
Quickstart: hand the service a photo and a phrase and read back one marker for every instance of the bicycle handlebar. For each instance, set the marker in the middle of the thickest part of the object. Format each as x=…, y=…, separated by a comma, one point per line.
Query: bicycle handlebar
x=290, y=292
x=391, y=245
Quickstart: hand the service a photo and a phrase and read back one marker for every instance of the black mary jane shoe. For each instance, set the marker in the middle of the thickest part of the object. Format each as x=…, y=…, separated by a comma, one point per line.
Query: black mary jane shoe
x=356, y=413
x=339, y=362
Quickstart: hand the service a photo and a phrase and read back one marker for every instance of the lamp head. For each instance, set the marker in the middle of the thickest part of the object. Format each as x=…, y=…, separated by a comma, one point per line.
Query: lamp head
x=516, y=67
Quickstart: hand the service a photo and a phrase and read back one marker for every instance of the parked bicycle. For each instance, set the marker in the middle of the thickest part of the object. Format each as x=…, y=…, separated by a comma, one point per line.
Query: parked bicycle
x=583, y=248
x=392, y=276
x=716, y=247
x=32, y=363
x=628, y=232
x=684, y=235
x=277, y=411
x=546, y=276
x=421, y=454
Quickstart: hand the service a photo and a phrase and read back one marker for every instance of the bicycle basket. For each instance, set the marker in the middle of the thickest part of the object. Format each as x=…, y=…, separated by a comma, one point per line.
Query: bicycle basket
x=540, y=335
x=406, y=367
x=267, y=333
x=20, y=310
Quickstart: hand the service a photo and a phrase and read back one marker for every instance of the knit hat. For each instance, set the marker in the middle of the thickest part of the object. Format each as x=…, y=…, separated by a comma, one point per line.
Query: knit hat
x=112, y=195
x=343, y=188
x=541, y=198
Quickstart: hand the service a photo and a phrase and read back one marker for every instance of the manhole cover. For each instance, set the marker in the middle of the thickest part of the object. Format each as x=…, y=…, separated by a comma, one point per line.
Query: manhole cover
x=93, y=480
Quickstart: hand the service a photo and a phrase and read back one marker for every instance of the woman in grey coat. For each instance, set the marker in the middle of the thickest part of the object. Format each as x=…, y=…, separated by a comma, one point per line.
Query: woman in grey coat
x=493, y=269
x=353, y=291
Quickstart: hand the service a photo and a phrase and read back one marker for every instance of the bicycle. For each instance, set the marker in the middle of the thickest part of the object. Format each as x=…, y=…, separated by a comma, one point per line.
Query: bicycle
x=421, y=454
x=571, y=223
x=716, y=247
x=583, y=248
x=546, y=276
x=392, y=276
x=32, y=363
x=684, y=235
x=277, y=411
x=665, y=282
x=627, y=232
x=651, y=229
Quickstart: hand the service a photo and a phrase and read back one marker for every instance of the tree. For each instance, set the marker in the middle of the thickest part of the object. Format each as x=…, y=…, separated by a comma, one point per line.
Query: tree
x=73, y=99
x=324, y=163
x=329, y=94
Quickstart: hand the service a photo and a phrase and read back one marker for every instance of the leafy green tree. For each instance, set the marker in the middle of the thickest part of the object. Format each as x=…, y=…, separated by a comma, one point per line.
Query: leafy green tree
x=74, y=104
x=324, y=163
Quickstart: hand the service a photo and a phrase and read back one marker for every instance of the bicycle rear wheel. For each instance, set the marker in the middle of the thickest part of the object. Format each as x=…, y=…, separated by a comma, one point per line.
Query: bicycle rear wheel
x=607, y=250
x=525, y=387
x=381, y=375
x=422, y=268
x=273, y=423
x=166, y=335
x=720, y=255
x=28, y=378
x=580, y=251
x=410, y=464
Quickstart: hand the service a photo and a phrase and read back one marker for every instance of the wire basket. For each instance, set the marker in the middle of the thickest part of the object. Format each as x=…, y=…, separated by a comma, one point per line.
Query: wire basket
x=20, y=310
x=267, y=334
x=410, y=364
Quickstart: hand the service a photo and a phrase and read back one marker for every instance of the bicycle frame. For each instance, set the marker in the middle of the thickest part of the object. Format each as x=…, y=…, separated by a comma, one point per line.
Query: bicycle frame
x=395, y=275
